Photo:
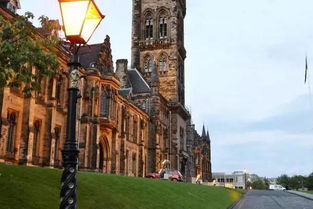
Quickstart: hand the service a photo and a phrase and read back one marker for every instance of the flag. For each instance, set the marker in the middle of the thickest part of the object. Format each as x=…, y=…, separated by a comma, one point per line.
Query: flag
x=306, y=69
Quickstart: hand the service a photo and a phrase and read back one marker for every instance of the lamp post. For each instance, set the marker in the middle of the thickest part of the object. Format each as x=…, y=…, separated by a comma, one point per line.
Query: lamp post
x=80, y=19
x=245, y=176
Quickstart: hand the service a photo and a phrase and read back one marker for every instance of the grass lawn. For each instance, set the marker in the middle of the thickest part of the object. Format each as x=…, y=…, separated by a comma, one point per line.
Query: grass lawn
x=310, y=192
x=38, y=188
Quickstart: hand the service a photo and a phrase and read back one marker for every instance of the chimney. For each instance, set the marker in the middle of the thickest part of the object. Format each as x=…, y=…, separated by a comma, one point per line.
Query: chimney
x=121, y=72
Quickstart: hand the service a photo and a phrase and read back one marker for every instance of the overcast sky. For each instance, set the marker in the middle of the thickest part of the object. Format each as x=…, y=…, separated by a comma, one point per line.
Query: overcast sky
x=244, y=77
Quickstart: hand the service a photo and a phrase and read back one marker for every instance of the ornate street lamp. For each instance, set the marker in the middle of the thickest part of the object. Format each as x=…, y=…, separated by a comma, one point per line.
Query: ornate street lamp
x=80, y=20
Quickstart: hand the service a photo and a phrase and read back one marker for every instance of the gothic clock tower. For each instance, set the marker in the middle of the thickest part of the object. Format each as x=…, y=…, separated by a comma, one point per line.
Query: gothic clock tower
x=158, y=38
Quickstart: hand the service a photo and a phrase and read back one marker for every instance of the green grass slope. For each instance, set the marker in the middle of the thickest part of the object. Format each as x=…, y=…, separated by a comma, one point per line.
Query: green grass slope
x=38, y=188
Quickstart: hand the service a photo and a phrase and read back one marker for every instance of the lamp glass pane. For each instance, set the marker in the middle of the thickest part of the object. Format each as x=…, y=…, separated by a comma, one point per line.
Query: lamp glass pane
x=73, y=14
x=93, y=18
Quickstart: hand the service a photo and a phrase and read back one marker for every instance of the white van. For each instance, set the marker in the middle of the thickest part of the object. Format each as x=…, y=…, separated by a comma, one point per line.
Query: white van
x=276, y=187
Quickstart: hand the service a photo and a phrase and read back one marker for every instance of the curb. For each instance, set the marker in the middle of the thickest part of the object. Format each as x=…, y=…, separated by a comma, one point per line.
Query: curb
x=297, y=194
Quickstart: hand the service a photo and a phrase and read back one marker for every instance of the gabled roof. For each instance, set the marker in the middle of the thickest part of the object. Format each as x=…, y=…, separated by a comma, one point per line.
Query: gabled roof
x=137, y=82
x=97, y=56
x=88, y=55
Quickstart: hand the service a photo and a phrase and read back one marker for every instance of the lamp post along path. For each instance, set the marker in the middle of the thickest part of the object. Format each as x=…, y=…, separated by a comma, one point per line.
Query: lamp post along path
x=80, y=19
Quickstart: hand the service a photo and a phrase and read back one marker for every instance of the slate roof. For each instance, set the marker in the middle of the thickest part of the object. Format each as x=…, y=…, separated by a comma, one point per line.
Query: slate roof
x=89, y=54
x=138, y=83
x=125, y=92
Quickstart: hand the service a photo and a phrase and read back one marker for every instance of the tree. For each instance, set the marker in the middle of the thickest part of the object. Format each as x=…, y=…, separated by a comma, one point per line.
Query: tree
x=283, y=180
x=309, y=182
x=296, y=182
x=257, y=182
x=26, y=56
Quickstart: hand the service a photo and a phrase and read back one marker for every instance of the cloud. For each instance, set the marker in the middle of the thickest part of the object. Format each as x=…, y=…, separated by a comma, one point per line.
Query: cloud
x=279, y=144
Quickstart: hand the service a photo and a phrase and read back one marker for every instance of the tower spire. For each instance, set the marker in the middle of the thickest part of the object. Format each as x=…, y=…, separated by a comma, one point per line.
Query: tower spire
x=208, y=135
x=203, y=132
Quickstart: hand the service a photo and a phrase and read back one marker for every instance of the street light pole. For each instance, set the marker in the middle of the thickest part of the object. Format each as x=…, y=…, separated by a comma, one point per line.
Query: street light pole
x=245, y=176
x=70, y=150
x=80, y=19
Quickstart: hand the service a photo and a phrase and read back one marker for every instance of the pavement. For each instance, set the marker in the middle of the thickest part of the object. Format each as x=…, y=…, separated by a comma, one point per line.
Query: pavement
x=302, y=194
x=267, y=199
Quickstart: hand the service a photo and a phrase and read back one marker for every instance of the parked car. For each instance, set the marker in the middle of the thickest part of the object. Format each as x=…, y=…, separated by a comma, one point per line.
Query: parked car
x=167, y=174
x=175, y=175
x=153, y=175
x=276, y=187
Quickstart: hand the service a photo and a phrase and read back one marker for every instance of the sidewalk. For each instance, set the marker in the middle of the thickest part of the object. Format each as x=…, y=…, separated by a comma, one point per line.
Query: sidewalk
x=302, y=194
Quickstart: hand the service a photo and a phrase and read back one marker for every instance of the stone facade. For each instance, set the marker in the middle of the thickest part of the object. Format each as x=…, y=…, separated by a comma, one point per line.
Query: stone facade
x=200, y=159
x=130, y=121
x=158, y=53
x=112, y=132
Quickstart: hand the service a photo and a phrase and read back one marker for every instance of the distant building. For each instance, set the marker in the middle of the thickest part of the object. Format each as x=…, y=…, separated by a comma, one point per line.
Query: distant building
x=236, y=180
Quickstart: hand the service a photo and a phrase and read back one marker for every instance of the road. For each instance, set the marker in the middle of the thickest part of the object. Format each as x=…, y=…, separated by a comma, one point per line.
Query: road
x=273, y=200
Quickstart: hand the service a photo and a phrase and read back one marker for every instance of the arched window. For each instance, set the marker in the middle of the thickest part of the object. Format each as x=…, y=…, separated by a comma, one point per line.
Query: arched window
x=163, y=27
x=104, y=107
x=149, y=27
x=148, y=64
x=11, y=132
x=163, y=64
x=36, y=137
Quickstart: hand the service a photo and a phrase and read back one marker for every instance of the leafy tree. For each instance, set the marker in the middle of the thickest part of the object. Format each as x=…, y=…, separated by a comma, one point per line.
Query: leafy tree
x=283, y=180
x=296, y=182
x=23, y=49
x=27, y=54
x=309, y=182
x=257, y=182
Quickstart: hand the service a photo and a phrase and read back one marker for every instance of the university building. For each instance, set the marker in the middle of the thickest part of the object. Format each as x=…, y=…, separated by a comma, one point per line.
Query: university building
x=130, y=119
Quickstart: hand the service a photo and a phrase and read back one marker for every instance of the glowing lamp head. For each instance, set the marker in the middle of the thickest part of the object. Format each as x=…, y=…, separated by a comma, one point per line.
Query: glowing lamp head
x=80, y=19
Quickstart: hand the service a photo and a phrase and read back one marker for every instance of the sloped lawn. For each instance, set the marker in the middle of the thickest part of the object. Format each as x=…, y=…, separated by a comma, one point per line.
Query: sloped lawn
x=38, y=188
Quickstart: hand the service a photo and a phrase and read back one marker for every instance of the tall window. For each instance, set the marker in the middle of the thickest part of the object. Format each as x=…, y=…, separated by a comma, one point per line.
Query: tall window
x=163, y=27
x=134, y=164
x=135, y=131
x=58, y=89
x=148, y=64
x=57, y=131
x=149, y=28
x=36, y=137
x=11, y=132
x=104, y=104
x=163, y=63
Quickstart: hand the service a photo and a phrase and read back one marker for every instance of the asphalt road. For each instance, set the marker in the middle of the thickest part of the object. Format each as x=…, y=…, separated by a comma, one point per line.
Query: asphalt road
x=273, y=200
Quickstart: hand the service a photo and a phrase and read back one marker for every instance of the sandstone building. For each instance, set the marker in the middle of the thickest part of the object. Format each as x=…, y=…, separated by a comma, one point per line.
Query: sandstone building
x=130, y=120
